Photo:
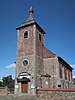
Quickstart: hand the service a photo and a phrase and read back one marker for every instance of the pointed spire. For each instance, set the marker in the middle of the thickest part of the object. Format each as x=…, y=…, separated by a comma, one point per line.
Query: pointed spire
x=31, y=15
x=30, y=21
x=31, y=11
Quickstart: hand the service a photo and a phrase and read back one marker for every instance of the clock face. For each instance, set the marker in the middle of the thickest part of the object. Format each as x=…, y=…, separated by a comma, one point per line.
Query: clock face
x=25, y=62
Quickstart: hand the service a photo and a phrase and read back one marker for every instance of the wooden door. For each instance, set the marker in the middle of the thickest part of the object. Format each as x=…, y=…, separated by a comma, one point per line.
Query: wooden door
x=24, y=87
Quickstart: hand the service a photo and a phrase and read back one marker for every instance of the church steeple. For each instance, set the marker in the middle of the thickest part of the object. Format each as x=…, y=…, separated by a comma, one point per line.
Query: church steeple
x=29, y=50
x=30, y=21
x=31, y=15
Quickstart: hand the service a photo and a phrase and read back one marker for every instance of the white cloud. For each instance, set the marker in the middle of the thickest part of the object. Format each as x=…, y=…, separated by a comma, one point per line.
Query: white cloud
x=73, y=66
x=73, y=76
x=13, y=65
x=1, y=79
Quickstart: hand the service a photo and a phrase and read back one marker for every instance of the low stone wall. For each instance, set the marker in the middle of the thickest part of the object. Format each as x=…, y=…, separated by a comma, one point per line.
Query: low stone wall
x=3, y=90
x=56, y=94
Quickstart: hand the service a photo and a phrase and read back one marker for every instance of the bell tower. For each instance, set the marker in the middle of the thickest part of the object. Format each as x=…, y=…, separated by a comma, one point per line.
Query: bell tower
x=29, y=60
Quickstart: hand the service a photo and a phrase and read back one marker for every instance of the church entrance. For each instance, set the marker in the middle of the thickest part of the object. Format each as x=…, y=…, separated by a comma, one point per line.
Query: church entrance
x=24, y=79
x=24, y=87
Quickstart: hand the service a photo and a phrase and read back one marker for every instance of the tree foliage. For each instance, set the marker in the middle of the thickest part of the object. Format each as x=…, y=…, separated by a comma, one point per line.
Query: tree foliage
x=1, y=83
x=6, y=81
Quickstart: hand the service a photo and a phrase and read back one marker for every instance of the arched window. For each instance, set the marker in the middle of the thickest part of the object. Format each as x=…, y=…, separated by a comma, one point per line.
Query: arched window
x=26, y=34
x=40, y=37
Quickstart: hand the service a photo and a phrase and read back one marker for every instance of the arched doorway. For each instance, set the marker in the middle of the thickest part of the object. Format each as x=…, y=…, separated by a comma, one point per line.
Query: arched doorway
x=24, y=79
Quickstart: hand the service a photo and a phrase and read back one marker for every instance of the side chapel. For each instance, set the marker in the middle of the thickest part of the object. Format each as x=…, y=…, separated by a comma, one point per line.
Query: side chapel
x=36, y=66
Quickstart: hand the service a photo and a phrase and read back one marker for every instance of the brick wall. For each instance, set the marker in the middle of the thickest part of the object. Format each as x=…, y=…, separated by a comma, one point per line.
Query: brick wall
x=47, y=53
x=56, y=94
x=25, y=45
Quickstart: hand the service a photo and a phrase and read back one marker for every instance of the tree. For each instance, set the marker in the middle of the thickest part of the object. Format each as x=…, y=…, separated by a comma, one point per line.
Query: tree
x=1, y=83
x=7, y=80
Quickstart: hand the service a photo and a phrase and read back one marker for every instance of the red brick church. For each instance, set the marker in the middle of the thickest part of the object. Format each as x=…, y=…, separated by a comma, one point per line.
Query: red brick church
x=36, y=66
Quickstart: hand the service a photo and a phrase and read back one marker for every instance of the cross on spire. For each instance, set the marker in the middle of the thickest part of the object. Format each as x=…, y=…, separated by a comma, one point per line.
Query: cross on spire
x=31, y=11
x=31, y=15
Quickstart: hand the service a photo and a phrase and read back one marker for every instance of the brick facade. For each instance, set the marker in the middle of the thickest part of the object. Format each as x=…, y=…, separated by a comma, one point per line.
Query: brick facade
x=41, y=67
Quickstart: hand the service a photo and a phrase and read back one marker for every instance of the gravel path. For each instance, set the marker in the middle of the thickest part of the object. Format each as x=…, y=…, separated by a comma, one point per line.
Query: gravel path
x=18, y=97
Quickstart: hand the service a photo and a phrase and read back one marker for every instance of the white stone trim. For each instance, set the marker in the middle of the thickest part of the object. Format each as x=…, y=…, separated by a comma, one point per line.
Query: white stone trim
x=34, y=31
x=22, y=75
x=27, y=64
x=63, y=72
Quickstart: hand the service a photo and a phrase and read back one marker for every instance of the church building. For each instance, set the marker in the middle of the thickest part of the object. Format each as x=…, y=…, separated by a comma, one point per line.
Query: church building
x=36, y=66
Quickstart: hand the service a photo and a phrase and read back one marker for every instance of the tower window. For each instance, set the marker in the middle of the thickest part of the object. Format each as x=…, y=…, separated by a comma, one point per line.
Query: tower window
x=40, y=37
x=26, y=34
x=59, y=85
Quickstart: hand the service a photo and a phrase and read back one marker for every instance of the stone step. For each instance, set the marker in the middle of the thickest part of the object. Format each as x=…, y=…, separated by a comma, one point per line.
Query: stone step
x=18, y=97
